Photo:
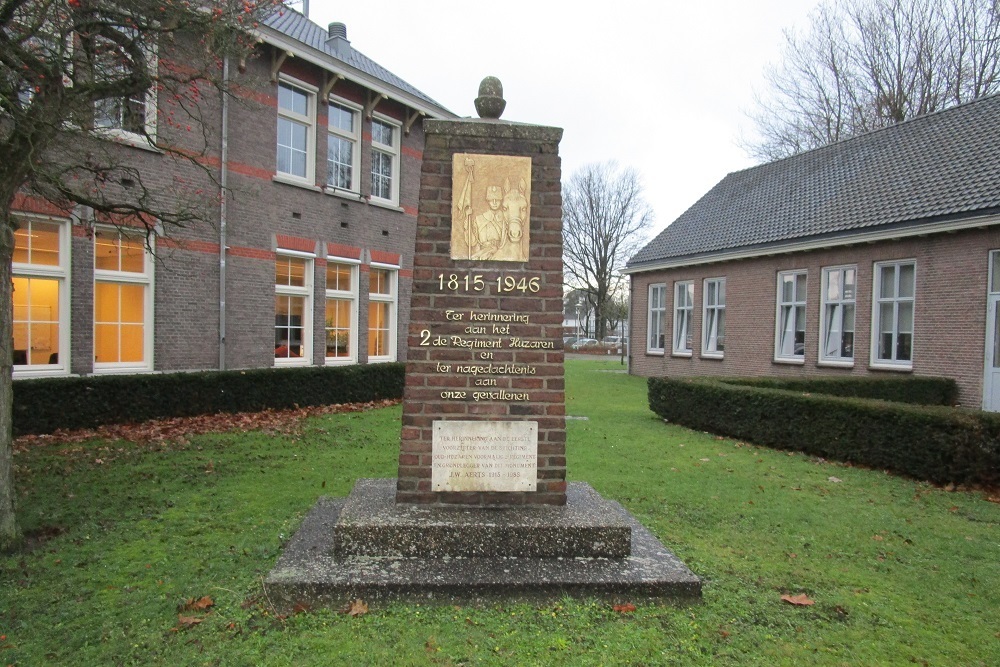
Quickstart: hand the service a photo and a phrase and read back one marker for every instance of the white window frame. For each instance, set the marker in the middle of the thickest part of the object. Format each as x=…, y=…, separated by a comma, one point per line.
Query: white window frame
x=393, y=299
x=896, y=300
x=709, y=342
x=393, y=151
x=795, y=307
x=345, y=295
x=825, y=358
x=309, y=120
x=146, y=279
x=61, y=273
x=305, y=291
x=147, y=140
x=656, y=318
x=353, y=137
x=683, y=312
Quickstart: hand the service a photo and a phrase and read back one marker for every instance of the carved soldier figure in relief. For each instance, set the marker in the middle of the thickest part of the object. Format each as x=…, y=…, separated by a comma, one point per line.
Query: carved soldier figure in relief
x=490, y=222
x=491, y=227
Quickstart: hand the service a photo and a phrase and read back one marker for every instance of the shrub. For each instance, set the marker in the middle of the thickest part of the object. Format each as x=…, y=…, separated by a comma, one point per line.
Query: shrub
x=44, y=405
x=910, y=389
x=935, y=443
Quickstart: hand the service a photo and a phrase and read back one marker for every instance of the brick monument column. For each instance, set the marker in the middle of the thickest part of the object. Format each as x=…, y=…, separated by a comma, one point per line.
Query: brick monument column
x=481, y=508
x=484, y=404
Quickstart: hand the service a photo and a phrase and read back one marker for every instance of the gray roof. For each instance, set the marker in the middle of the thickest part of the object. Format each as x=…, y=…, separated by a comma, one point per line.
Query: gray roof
x=935, y=167
x=296, y=26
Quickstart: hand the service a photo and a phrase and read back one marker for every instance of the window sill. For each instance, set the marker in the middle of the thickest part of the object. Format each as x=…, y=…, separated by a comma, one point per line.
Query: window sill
x=655, y=353
x=27, y=375
x=335, y=361
x=381, y=360
x=683, y=355
x=713, y=355
x=129, y=139
x=286, y=363
x=833, y=363
x=384, y=203
x=891, y=367
x=122, y=370
x=797, y=361
x=289, y=180
x=349, y=195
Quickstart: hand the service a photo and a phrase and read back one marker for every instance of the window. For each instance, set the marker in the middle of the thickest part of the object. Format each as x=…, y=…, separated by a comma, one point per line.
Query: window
x=892, y=314
x=130, y=116
x=41, y=298
x=713, y=321
x=385, y=161
x=123, y=302
x=683, y=307
x=790, y=334
x=382, y=314
x=341, y=311
x=342, y=146
x=293, y=310
x=296, y=118
x=837, y=314
x=657, y=317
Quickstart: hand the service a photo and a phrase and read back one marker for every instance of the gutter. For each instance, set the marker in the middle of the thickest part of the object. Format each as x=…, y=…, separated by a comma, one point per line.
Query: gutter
x=223, y=211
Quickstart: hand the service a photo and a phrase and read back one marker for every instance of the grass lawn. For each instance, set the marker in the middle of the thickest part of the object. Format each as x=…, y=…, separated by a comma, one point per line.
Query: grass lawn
x=900, y=572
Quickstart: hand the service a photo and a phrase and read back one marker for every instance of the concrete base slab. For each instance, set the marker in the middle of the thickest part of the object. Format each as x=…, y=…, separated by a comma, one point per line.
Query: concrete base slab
x=309, y=571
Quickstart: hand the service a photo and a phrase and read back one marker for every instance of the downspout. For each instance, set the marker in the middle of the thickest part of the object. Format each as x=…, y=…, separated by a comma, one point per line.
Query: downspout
x=223, y=211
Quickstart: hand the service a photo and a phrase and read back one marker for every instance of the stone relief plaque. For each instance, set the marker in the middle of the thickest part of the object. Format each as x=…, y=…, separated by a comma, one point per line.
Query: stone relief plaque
x=490, y=207
x=484, y=456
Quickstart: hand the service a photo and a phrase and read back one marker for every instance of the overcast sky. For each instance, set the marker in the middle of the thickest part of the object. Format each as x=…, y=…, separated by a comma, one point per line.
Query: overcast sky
x=659, y=86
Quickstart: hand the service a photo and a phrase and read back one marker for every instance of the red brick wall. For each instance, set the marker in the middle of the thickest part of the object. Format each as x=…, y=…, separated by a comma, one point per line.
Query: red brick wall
x=423, y=403
x=949, y=312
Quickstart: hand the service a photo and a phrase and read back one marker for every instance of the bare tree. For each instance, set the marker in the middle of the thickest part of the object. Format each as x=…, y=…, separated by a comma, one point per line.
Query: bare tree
x=76, y=80
x=605, y=220
x=866, y=64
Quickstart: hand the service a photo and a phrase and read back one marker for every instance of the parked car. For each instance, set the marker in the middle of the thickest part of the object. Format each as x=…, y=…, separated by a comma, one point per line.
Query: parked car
x=613, y=341
x=569, y=340
x=585, y=343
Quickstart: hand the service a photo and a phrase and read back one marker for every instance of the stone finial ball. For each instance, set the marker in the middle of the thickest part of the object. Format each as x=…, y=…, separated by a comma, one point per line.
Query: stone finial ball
x=490, y=103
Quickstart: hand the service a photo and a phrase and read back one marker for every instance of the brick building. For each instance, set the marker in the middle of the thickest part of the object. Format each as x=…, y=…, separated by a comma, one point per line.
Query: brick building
x=879, y=254
x=309, y=262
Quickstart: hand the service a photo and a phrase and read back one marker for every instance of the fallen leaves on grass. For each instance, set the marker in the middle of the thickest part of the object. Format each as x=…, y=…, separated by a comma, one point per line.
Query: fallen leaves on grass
x=626, y=608
x=188, y=621
x=835, y=480
x=800, y=600
x=198, y=604
x=355, y=608
x=177, y=429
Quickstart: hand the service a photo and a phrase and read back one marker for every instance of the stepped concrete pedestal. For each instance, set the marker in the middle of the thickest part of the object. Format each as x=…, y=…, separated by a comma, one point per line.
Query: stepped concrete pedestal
x=369, y=547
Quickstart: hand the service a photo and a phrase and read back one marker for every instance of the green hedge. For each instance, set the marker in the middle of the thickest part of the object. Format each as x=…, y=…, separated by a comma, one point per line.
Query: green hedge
x=935, y=443
x=910, y=389
x=44, y=405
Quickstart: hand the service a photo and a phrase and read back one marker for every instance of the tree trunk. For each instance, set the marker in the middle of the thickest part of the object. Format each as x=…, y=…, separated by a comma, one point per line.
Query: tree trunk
x=10, y=534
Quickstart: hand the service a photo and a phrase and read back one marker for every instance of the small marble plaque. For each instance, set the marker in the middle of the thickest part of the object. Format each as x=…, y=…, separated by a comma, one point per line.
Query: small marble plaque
x=485, y=456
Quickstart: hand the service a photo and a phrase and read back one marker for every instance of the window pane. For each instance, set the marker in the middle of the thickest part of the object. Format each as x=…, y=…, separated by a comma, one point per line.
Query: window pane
x=341, y=117
x=787, y=289
x=378, y=329
x=338, y=277
x=133, y=254
x=131, y=342
x=338, y=328
x=290, y=271
x=887, y=282
x=722, y=292
x=994, y=273
x=132, y=303
x=906, y=280
x=905, y=318
x=106, y=250
x=37, y=243
x=800, y=287
x=722, y=331
x=379, y=282
x=106, y=297
x=849, y=284
x=833, y=285
x=381, y=133
x=106, y=343
x=293, y=99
